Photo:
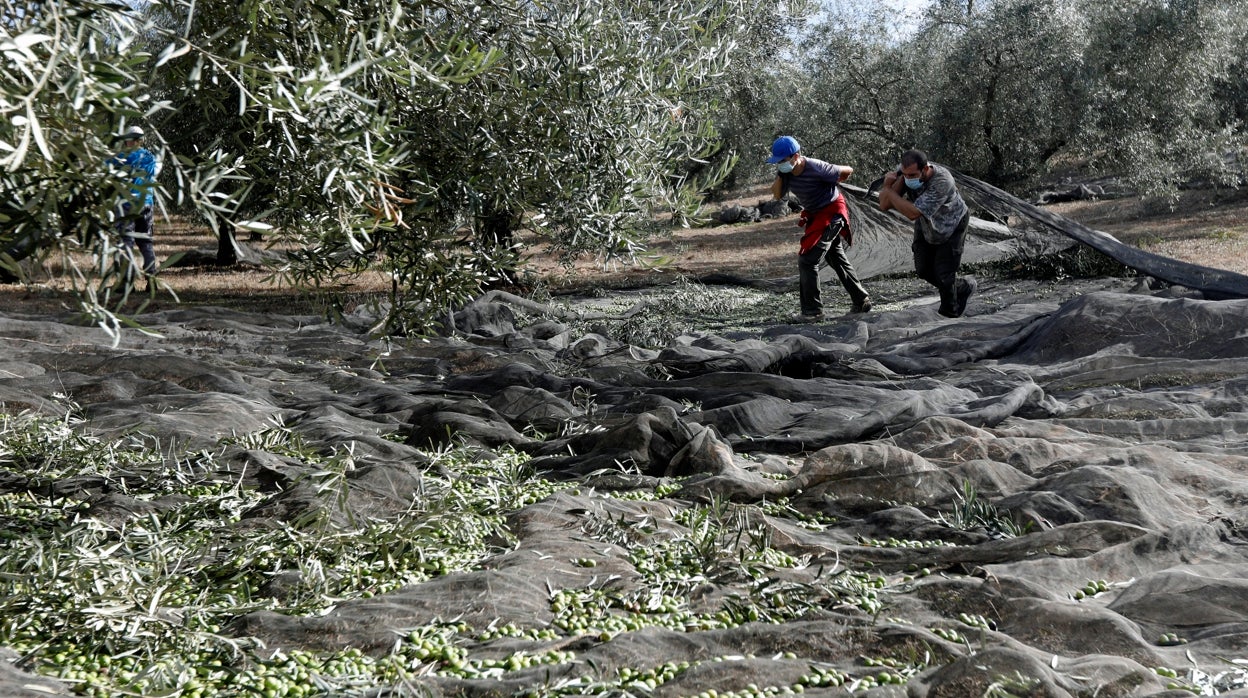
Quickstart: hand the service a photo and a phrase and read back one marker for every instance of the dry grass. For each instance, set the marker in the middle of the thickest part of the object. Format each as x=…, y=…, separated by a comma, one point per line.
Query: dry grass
x=1207, y=227
x=763, y=250
x=246, y=287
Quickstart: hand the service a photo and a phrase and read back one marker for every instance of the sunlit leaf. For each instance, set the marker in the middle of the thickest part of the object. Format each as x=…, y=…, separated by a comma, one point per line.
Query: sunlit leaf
x=172, y=51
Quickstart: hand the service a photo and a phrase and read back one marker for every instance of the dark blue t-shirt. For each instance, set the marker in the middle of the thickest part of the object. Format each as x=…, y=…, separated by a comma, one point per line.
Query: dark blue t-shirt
x=815, y=187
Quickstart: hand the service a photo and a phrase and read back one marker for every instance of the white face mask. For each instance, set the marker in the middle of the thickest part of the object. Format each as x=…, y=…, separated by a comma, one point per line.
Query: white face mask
x=785, y=167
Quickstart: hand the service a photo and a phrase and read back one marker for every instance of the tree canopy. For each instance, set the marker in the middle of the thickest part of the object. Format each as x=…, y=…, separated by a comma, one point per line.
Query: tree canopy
x=1006, y=89
x=422, y=138
x=416, y=137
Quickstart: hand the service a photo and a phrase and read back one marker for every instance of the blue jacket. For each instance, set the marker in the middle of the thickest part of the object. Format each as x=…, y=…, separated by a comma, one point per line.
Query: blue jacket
x=142, y=167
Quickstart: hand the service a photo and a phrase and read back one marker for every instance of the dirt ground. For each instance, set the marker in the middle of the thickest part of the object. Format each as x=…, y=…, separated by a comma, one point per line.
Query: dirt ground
x=1205, y=227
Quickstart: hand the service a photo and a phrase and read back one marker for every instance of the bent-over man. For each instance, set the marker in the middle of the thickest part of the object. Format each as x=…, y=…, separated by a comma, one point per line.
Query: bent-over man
x=825, y=219
x=925, y=193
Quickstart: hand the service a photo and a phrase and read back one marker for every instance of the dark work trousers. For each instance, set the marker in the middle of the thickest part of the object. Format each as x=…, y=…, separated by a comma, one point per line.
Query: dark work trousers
x=938, y=264
x=136, y=231
x=833, y=251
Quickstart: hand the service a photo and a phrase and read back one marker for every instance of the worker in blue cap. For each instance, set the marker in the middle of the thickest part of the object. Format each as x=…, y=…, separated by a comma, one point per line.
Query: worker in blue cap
x=825, y=221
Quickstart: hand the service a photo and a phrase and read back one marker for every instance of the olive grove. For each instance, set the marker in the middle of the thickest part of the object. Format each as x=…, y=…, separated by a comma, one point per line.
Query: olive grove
x=1151, y=90
x=414, y=137
x=421, y=138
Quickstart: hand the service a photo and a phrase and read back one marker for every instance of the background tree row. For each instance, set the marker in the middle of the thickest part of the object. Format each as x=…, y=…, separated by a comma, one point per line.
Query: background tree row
x=1152, y=90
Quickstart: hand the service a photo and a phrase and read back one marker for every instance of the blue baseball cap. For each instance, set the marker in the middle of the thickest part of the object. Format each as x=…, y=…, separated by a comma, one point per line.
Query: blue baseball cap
x=783, y=148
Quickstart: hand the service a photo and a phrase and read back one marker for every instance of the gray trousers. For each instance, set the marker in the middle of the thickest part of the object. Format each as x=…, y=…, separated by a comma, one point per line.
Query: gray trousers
x=136, y=231
x=833, y=251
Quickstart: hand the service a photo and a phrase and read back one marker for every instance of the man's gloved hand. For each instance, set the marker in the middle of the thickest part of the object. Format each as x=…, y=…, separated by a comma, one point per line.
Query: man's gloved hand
x=802, y=220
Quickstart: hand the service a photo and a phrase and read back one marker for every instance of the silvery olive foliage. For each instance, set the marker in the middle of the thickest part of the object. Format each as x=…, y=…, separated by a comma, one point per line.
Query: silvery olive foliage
x=1165, y=92
x=418, y=138
x=66, y=71
x=1009, y=89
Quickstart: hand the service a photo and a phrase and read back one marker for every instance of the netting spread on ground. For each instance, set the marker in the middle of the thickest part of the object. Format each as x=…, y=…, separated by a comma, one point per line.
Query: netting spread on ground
x=1012, y=456
x=1006, y=227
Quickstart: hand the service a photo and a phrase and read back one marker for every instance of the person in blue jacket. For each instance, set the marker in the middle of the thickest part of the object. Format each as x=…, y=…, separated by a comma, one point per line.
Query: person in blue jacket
x=134, y=213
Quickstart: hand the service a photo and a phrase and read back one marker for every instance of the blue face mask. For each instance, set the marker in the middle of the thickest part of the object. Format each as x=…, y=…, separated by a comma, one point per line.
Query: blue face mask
x=913, y=183
x=785, y=167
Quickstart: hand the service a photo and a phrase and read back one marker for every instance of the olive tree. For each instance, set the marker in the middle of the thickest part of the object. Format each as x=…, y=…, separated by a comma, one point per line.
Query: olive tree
x=76, y=72
x=1154, y=69
x=860, y=105
x=1008, y=98
x=570, y=120
x=986, y=86
x=761, y=86
x=67, y=85
x=1004, y=89
x=414, y=137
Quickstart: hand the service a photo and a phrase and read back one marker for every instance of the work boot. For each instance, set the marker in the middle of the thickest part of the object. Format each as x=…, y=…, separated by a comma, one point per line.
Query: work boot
x=864, y=306
x=966, y=287
x=948, y=301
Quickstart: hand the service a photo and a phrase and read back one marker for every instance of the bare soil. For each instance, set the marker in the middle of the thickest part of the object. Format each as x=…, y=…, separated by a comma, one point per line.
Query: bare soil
x=1206, y=227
